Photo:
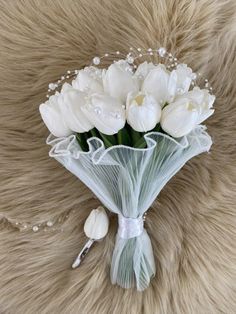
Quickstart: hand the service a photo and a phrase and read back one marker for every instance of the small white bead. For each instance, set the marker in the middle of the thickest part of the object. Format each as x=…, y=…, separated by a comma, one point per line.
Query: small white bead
x=117, y=52
x=96, y=60
x=106, y=54
x=139, y=49
x=68, y=71
x=149, y=49
x=62, y=78
x=130, y=59
x=162, y=51
x=97, y=110
x=35, y=228
x=52, y=86
x=49, y=223
x=131, y=48
x=140, y=55
x=194, y=76
x=180, y=91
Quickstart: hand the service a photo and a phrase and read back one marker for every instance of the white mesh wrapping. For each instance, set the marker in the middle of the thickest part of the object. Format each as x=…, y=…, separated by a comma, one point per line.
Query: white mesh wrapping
x=127, y=181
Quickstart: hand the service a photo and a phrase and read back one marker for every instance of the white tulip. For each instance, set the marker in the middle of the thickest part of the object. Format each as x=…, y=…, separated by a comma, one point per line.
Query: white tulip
x=142, y=111
x=53, y=118
x=204, y=100
x=71, y=102
x=106, y=113
x=180, y=117
x=89, y=80
x=119, y=80
x=156, y=84
x=97, y=223
x=142, y=71
x=179, y=81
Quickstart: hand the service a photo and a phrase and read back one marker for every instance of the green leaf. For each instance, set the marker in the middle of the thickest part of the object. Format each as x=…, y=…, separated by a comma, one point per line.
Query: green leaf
x=82, y=140
x=157, y=128
x=123, y=137
x=141, y=143
x=109, y=140
x=95, y=133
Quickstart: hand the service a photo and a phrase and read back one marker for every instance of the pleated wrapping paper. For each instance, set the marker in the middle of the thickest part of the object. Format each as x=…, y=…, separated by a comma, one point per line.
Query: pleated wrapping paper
x=127, y=180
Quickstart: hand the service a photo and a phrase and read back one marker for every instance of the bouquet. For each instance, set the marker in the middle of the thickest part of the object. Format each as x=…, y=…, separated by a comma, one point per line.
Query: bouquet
x=124, y=131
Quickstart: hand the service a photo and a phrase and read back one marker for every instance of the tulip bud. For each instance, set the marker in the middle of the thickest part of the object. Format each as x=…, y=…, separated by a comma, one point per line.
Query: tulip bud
x=204, y=100
x=119, y=80
x=71, y=102
x=89, y=80
x=53, y=118
x=97, y=223
x=156, y=84
x=105, y=113
x=142, y=111
x=180, y=117
x=179, y=81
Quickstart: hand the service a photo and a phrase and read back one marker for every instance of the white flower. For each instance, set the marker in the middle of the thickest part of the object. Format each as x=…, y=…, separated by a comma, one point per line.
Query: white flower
x=89, y=80
x=106, y=113
x=156, y=84
x=119, y=80
x=165, y=85
x=179, y=81
x=71, y=101
x=179, y=118
x=204, y=100
x=53, y=118
x=97, y=223
x=142, y=71
x=142, y=111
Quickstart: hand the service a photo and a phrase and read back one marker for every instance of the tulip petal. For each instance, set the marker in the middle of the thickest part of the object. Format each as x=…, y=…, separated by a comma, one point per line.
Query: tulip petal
x=53, y=118
x=70, y=104
x=156, y=84
x=143, y=112
x=177, y=119
x=89, y=80
x=106, y=113
x=118, y=81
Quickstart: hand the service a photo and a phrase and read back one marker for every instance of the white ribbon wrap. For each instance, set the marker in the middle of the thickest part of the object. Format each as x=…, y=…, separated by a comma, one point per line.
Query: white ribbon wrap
x=127, y=181
x=129, y=227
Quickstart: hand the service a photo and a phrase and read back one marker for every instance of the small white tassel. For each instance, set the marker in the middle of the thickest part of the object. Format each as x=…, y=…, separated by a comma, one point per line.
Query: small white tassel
x=95, y=227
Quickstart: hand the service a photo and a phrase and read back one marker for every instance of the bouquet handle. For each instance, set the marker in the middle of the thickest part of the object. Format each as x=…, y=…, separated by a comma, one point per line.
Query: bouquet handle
x=133, y=261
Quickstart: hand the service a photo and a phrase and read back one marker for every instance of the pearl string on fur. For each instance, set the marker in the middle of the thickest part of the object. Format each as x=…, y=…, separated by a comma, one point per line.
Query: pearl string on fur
x=131, y=57
x=54, y=224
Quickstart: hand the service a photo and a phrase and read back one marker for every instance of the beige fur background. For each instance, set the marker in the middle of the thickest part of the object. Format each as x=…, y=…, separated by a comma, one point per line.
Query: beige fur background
x=192, y=225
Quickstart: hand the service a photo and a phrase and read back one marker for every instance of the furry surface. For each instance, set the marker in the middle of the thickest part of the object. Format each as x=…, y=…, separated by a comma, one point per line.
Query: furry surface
x=191, y=225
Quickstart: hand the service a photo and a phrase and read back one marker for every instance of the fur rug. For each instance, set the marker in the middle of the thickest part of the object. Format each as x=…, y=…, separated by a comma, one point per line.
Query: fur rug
x=191, y=225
